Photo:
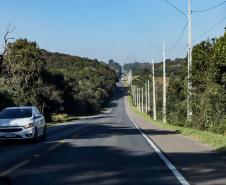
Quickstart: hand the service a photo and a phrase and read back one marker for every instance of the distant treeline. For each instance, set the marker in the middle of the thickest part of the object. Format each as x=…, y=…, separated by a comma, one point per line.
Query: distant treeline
x=54, y=82
x=208, y=86
x=116, y=67
x=145, y=69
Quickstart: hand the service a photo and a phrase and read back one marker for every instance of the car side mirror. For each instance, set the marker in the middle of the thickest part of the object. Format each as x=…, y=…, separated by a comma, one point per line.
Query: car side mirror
x=38, y=116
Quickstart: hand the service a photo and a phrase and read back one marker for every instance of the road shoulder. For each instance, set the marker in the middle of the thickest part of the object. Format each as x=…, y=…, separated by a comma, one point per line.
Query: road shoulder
x=196, y=161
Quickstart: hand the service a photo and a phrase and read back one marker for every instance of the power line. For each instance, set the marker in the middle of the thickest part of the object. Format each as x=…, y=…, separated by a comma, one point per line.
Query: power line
x=155, y=47
x=171, y=4
x=181, y=51
x=207, y=31
x=201, y=35
x=208, y=9
x=178, y=40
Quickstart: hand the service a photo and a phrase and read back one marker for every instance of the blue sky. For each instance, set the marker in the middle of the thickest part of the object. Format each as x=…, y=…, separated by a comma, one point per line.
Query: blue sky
x=108, y=29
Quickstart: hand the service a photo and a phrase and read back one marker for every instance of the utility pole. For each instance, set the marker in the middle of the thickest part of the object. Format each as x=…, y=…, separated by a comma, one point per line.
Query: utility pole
x=134, y=92
x=148, y=95
x=146, y=98
x=142, y=100
x=139, y=100
x=129, y=76
x=189, y=96
x=153, y=81
x=135, y=96
x=164, y=84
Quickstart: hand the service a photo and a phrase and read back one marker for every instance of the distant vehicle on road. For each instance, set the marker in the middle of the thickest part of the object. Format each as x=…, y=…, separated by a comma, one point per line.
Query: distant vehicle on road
x=22, y=123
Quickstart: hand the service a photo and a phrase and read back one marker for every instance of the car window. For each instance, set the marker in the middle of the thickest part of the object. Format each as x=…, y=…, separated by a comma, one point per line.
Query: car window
x=15, y=113
x=36, y=111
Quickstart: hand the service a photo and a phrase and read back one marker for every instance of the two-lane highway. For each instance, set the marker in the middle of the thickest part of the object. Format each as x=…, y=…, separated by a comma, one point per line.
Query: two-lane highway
x=106, y=150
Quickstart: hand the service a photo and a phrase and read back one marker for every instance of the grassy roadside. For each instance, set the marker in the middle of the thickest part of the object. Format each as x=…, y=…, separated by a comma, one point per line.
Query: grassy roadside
x=67, y=119
x=62, y=118
x=215, y=141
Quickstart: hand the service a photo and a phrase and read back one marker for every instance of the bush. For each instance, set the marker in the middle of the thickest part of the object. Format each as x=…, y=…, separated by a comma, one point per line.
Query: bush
x=59, y=117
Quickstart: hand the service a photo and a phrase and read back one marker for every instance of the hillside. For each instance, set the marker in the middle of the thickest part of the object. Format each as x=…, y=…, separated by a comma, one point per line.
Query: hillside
x=143, y=69
x=54, y=82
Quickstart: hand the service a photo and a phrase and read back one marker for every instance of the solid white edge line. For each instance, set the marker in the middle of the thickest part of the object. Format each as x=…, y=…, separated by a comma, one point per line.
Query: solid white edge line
x=177, y=174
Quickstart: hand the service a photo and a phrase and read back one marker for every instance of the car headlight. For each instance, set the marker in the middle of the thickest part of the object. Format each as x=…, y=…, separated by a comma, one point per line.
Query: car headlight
x=30, y=125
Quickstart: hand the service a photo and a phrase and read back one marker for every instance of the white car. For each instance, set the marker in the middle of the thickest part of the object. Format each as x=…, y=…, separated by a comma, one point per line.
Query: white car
x=22, y=123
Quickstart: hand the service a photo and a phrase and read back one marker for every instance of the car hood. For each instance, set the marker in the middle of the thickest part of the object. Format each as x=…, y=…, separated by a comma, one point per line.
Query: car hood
x=15, y=122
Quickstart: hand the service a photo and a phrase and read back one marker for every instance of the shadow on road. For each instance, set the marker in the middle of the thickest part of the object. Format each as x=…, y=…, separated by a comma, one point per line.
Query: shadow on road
x=96, y=165
x=109, y=165
x=74, y=164
x=5, y=181
x=107, y=130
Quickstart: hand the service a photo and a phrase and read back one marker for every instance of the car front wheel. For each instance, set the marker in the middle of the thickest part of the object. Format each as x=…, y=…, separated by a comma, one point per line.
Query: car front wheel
x=35, y=137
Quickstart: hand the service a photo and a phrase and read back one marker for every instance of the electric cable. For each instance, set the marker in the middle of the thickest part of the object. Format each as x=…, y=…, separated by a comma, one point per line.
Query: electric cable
x=171, y=4
x=209, y=9
x=178, y=40
x=207, y=31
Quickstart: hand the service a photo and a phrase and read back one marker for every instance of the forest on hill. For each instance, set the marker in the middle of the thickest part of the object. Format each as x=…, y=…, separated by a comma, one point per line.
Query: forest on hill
x=54, y=82
x=208, y=86
x=116, y=67
x=145, y=69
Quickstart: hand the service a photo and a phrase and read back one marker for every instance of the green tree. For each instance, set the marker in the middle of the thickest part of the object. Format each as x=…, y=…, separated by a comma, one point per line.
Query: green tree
x=54, y=82
x=21, y=71
x=209, y=85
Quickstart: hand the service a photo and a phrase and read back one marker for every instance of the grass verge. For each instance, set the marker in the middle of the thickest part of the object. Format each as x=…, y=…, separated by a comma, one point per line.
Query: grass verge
x=215, y=141
x=62, y=118
x=66, y=119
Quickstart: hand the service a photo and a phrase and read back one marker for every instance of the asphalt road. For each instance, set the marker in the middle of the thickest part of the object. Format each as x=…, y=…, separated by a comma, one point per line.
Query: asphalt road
x=104, y=150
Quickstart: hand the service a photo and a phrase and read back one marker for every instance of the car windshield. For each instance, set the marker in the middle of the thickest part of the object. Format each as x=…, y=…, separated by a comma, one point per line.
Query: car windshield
x=15, y=113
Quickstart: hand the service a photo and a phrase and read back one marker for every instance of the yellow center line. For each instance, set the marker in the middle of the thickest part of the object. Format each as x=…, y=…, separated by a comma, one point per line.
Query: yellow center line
x=76, y=135
x=82, y=131
x=19, y=165
x=56, y=145
x=4, y=173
